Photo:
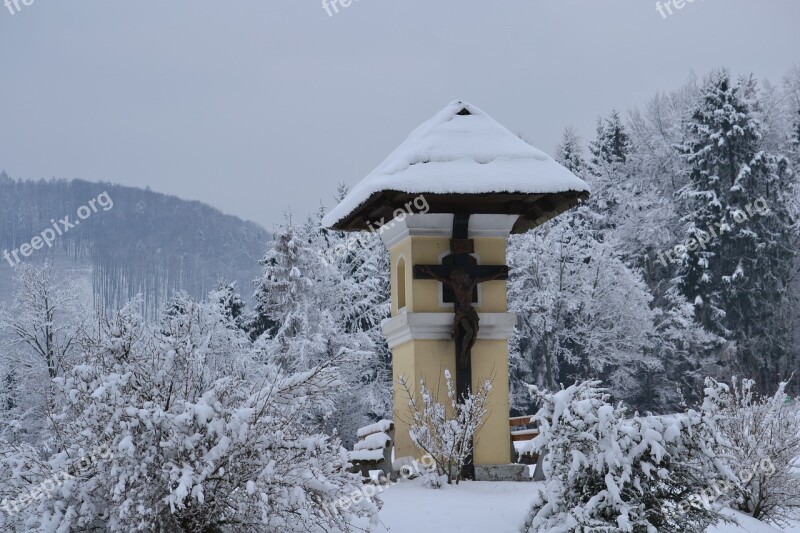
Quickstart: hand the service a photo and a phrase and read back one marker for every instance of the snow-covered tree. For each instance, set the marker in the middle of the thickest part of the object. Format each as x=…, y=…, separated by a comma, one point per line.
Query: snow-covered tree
x=796, y=130
x=195, y=442
x=582, y=311
x=609, y=471
x=612, y=145
x=289, y=296
x=43, y=325
x=609, y=176
x=740, y=229
x=647, y=223
x=684, y=349
x=202, y=327
x=317, y=310
x=446, y=432
x=569, y=153
x=361, y=302
x=228, y=297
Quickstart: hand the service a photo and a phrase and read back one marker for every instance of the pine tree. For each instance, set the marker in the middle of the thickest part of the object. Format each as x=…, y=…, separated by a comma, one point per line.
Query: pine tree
x=736, y=262
x=284, y=274
x=612, y=145
x=291, y=297
x=229, y=299
x=796, y=132
x=609, y=176
x=570, y=152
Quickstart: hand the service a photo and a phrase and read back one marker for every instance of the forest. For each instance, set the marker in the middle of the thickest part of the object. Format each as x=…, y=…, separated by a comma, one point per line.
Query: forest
x=148, y=244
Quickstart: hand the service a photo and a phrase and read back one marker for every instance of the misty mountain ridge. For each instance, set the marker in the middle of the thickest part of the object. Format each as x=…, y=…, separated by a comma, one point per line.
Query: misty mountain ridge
x=116, y=242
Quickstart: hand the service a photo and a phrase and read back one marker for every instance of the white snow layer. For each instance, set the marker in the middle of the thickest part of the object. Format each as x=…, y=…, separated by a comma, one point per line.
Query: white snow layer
x=365, y=455
x=381, y=426
x=481, y=507
x=468, y=154
x=376, y=441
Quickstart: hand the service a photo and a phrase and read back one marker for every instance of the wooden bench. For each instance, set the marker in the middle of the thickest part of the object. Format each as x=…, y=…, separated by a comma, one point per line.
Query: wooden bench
x=373, y=451
x=522, y=430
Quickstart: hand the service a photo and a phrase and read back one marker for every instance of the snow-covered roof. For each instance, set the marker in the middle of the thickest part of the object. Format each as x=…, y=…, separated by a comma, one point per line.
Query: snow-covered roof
x=461, y=150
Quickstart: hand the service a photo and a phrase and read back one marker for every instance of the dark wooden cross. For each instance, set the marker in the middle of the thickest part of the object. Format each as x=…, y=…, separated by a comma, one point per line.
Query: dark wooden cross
x=462, y=277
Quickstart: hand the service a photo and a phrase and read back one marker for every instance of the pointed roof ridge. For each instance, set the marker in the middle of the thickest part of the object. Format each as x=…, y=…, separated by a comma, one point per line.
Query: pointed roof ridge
x=460, y=150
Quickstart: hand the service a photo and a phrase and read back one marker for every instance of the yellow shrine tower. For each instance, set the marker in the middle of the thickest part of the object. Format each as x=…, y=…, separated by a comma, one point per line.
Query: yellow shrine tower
x=444, y=203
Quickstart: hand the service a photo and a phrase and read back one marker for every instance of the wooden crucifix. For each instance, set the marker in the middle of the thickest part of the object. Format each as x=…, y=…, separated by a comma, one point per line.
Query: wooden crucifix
x=462, y=277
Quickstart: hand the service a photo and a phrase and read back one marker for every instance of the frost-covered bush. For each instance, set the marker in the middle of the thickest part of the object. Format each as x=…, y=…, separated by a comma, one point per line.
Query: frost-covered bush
x=201, y=438
x=761, y=431
x=446, y=432
x=607, y=471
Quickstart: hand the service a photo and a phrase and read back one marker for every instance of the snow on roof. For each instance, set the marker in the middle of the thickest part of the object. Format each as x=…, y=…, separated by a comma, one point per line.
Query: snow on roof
x=461, y=150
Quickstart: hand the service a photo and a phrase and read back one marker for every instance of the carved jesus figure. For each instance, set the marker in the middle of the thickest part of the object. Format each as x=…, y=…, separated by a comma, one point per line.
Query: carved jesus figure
x=466, y=319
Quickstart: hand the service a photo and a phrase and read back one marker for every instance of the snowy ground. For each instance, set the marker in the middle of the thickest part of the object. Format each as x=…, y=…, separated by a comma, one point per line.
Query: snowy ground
x=470, y=507
x=484, y=507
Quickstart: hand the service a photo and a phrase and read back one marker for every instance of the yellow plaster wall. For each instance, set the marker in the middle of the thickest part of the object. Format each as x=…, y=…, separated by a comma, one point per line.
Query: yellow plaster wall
x=427, y=359
x=424, y=295
x=490, y=360
x=416, y=360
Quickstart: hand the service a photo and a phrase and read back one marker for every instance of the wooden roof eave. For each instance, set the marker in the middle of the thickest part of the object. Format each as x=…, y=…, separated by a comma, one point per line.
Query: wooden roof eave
x=534, y=209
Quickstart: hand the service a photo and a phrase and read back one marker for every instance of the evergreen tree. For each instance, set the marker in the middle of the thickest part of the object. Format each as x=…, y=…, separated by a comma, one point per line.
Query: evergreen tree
x=796, y=132
x=570, y=152
x=283, y=275
x=175, y=310
x=229, y=299
x=613, y=143
x=290, y=296
x=737, y=262
x=609, y=176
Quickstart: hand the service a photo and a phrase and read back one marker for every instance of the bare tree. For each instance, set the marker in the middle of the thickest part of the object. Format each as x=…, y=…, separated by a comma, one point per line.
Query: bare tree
x=43, y=326
x=447, y=433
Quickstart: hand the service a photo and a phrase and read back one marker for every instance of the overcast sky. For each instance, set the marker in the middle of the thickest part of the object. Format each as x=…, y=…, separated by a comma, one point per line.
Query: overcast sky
x=257, y=106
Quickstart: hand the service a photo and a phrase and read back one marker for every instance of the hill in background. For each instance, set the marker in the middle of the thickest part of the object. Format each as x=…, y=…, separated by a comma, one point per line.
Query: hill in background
x=146, y=243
